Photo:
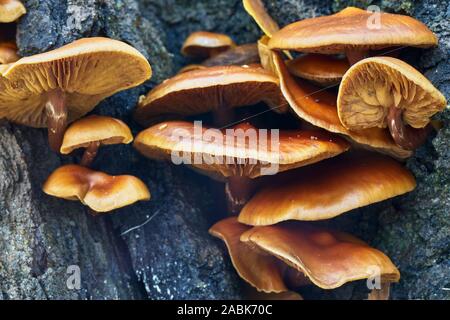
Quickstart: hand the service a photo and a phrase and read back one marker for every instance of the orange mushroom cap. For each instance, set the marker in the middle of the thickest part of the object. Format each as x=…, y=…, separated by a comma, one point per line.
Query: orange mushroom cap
x=321, y=69
x=374, y=85
x=11, y=10
x=105, y=130
x=328, y=189
x=328, y=258
x=203, y=44
x=243, y=152
x=318, y=107
x=97, y=190
x=257, y=10
x=8, y=52
x=244, y=54
x=203, y=90
x=87, y=71
x=262, y=271
x=349, y=30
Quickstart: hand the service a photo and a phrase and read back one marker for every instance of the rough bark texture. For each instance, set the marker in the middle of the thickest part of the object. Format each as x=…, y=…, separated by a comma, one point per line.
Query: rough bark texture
x=171, y=256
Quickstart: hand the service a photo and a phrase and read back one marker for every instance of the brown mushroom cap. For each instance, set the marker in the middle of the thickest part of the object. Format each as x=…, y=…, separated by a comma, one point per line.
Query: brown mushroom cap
x=318, y=107
x=324, y=70
x=328, y=189
x=262, y=271
x=328, y=258
x=374, y=85
x=11, y=10
x=204, y=90
x=243, y=158
x=244, y=54
x=203, y=44
x=257, y=10
x=348, y=30
x=8, y=52
x=97, y=190
x=105, y=130
x=87, y=71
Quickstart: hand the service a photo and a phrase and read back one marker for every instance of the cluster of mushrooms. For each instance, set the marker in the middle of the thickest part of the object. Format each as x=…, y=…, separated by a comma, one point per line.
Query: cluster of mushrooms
x=344, y=154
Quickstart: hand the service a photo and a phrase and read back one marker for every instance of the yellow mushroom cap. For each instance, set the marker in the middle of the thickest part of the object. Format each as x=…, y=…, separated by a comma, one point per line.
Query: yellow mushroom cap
x=324, y=70
x=373, y=85
x=87, y=71
x=318, y=107
x=105, y=130
x=262, y=271
x=350, y=29
x=328, y=189
x=11, y=10
x=203, y=90
x=257, y=10
x=233, y=155
x=97, y=190
x=328, y=258
x=203, y=44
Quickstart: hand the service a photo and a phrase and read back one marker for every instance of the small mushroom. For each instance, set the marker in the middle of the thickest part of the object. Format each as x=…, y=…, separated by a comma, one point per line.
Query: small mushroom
x=203, y=44
x=328, y=189
x=218, y=89
x=244, y=54
x=262, y=271
x=348, y=32
x=328, y=258
x=8, y=52
x=93, y=131
x=57, y=87
x=11, y=10
x=97, y=190
x=233, y=158
x=324, y=70
x=387, y=92
x=318, y=107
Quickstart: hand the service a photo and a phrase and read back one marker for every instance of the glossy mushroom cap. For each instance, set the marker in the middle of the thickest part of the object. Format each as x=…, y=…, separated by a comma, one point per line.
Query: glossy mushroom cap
x=374, y=85
x=349, y=30
x=8, y=52
x=318, y=107
x=105, y=130
x=97, y=190
x=237, y=56
x=86, y=71
x=257, y=10
x=241, y=153
x=203, y=44
x=209, y=89
x=11, y=10
x=262, y=271
x=328, y=189
x=323, y=70
x=328, y=258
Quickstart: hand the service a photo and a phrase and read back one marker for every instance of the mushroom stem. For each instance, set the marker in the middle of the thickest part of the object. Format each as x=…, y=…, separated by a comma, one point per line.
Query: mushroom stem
x=238, y=191
x=380, y=294
x=56, y=111
x=353, y=56
x=90, y=153
x=404, y=135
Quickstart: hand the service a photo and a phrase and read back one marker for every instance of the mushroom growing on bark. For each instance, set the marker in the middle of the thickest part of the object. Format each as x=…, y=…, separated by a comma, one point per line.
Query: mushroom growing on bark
x=318, y=107
x=350, y=31
x=97, y=190
x=57, y=87
x=93, y=131
x=328, y=189
x=203, y=44
x=238, y=157
x=326, y=257
x=218, y=89
x=324, y=70
x=387, y=92
x=11, y=10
